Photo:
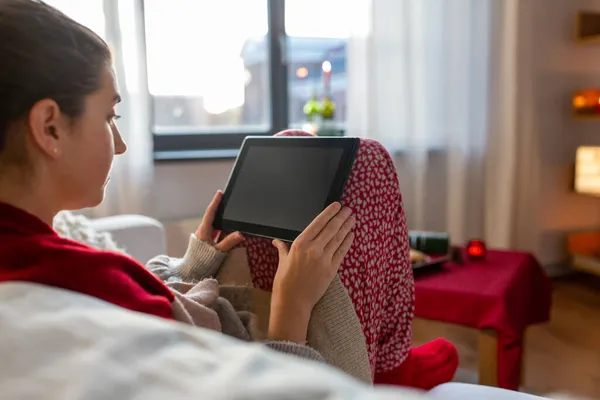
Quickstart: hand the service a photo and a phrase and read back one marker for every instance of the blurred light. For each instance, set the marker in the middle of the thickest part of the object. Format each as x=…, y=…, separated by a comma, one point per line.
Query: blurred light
x=587, y=102
x=302, y=72
x=579, y=102
x=310, y=128
x=587, y=170
x=247, y=77
x=476, y=249
x=326, y=66
x=177, y=112
x=225, y=85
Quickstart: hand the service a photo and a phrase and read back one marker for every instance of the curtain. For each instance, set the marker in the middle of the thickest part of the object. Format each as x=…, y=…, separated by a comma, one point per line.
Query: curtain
x=435, y=82
x=120, y=23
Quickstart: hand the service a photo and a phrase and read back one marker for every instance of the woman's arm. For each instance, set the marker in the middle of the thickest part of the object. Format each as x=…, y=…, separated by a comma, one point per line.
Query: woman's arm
x=306, y=270
x=201, y=260
x=304, y=274
x=203, y=257
x=296, y=349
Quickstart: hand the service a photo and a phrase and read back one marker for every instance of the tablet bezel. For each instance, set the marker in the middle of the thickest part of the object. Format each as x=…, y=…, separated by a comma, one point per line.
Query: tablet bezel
x=349, y=147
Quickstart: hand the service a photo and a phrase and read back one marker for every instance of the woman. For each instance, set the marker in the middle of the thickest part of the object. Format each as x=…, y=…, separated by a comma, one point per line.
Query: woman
x=58, y=137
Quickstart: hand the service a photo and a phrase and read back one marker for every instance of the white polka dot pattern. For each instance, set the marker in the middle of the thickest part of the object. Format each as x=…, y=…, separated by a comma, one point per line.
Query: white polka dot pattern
x=377, y=271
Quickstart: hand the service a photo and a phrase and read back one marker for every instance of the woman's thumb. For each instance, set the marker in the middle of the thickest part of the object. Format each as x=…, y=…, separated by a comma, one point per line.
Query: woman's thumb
x=281, y=247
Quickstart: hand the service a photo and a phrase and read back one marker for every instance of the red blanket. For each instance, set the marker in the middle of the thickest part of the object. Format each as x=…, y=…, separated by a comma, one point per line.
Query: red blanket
x=31, y=251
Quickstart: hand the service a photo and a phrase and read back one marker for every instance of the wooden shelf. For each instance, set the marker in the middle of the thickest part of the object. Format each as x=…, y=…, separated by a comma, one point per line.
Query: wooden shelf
x=591, y=40
x=585, y=103
x=583, y=117
x=590, y=265
x=583, y=249
x=588, y=27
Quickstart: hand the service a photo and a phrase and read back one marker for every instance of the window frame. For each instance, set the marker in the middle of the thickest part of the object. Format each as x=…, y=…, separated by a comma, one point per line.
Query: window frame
x=225, y=144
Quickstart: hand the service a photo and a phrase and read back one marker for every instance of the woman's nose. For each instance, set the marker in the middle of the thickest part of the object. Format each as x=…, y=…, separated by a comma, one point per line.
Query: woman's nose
x=120, y=145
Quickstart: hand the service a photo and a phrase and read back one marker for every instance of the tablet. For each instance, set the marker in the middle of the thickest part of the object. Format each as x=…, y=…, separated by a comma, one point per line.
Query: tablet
x=278, y=185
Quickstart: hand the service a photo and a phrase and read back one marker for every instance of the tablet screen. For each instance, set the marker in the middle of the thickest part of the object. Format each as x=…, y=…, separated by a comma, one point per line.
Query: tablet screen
x=283, y=187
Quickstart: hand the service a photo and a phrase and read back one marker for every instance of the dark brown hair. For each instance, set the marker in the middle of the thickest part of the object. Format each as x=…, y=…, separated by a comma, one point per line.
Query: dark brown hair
x=45, y=55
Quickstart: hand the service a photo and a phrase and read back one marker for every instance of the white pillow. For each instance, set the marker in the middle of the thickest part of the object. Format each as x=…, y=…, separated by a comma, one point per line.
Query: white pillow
x=79, y=228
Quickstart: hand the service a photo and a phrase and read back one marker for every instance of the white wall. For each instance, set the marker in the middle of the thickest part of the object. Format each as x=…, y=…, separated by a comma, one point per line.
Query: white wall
x=562, y=66
x=182, y=193
x=184, y=189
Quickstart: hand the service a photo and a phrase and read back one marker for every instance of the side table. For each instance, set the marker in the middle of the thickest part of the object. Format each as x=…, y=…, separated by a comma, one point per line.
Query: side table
x=500, y=296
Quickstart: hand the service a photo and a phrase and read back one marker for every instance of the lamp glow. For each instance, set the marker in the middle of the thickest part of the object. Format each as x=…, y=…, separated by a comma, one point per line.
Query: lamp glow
x=476, y=249
x=587, y=170
x=586, y=103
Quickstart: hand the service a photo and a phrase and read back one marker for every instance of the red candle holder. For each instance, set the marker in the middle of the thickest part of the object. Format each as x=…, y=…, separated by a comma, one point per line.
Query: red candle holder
x=476, y=249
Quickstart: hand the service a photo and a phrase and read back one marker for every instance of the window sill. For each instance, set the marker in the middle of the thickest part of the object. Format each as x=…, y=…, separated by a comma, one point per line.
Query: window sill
x=195, y=155
x=231, y=154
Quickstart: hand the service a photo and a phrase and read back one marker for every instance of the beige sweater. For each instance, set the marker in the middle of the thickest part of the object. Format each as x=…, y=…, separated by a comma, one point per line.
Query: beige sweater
x=334, y=329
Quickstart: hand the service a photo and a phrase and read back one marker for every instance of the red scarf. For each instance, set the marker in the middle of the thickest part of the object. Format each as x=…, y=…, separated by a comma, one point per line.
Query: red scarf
x=32, y=251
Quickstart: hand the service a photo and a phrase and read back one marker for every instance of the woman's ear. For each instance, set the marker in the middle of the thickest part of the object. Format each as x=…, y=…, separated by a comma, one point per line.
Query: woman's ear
x=45, y=127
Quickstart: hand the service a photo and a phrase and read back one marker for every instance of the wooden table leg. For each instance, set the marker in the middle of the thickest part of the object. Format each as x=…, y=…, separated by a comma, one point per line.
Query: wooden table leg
x=488, y=358
x=523, y=355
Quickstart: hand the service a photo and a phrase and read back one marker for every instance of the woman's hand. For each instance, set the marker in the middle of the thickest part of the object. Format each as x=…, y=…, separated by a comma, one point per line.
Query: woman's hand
x=306, y=270
x=206, y=233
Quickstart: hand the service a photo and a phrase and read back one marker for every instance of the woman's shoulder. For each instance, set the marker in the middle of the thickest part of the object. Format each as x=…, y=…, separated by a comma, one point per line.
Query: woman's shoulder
x=60, y=262
x=62, y=248
x=51, y=251
x=81, y=258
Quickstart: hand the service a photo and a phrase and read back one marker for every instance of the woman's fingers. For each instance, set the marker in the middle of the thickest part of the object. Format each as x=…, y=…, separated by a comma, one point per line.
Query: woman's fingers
x=282, y=248
x=333, y=226
x=341, y=252
x=205, y=230
x=341, y=234
x=313, y=230
x=230, y=242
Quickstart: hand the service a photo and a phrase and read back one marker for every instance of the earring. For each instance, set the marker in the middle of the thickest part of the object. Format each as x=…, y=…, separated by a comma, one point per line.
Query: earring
x=55, y=150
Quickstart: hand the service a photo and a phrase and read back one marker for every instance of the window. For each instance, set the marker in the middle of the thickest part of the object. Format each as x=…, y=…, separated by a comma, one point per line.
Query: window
x=221, y=70
x=317, y=35
x=90, y=13
x=207, y=66
x=210, y=74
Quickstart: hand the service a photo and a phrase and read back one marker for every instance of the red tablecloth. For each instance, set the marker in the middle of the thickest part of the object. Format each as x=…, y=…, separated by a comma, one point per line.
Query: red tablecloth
x=506, y=292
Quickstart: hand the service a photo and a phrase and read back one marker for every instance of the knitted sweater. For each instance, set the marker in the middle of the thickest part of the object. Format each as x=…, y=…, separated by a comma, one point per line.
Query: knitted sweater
x=334, y=328
x=200, y=263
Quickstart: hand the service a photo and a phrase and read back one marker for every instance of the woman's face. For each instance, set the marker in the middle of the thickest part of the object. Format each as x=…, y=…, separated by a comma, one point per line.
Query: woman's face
x=87, y=147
